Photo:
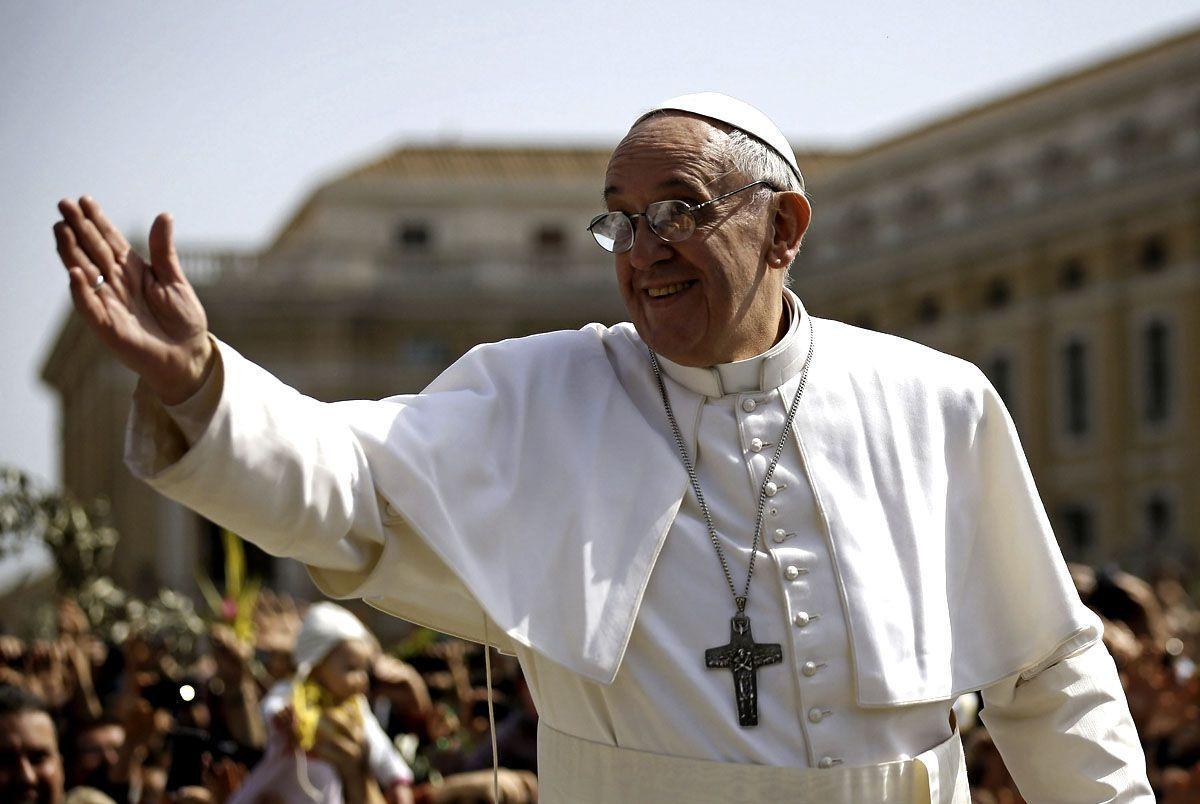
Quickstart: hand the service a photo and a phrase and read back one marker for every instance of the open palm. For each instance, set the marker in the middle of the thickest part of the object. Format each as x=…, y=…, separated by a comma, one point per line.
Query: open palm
x=146, y=313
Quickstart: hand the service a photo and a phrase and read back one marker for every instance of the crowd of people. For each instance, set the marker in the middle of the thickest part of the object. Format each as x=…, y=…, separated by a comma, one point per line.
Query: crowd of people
x=307, y=706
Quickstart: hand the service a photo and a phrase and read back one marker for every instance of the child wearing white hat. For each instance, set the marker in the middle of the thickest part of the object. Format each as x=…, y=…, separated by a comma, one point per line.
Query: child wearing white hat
x=333, y=654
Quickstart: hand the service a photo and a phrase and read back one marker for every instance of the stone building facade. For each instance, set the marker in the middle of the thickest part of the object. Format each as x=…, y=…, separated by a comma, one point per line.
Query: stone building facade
x=1051, y=236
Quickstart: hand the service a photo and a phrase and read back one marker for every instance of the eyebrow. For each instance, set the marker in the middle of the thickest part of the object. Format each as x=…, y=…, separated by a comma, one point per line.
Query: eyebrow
x=669, y=184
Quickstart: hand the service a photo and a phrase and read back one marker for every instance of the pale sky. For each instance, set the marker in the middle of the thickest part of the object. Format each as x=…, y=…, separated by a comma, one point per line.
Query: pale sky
x=227, y=114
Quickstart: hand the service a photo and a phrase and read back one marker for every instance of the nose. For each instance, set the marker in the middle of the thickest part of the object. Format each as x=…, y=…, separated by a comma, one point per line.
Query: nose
x=648, y=248
x=26, y=772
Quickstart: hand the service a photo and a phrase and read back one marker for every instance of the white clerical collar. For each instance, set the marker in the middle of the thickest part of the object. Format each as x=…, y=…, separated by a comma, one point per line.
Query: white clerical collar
x=765, y=372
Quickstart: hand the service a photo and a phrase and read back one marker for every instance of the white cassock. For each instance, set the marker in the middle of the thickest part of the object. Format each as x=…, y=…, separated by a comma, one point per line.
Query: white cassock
x=533, y=498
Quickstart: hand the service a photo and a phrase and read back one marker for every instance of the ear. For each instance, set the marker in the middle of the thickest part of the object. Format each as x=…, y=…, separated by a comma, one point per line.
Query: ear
x=792, y=216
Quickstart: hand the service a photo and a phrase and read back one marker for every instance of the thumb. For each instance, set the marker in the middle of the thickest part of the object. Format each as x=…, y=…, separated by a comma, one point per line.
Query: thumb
x=163, y=259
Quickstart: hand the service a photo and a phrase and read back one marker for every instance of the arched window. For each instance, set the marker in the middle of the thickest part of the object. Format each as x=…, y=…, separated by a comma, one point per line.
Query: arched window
x=999, y=371
x=1075, y=377
x=1158, y=517
x=413, y=235
x=998, y=293
x=1076, y=531
x=929, y=310
x=1152, y=256
x=1156, y=368
x=1072, y=275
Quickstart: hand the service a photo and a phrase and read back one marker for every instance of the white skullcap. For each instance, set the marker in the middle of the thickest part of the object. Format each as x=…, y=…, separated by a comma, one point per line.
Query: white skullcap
x=736, y=113
x=325, y=626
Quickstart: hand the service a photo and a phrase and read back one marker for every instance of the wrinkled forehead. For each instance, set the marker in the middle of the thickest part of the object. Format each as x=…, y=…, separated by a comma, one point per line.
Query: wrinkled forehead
x=669, y=147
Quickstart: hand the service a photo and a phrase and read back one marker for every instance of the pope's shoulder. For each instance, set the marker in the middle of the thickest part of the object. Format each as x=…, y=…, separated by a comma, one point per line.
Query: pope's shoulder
x=561, y=346
x=879, y=359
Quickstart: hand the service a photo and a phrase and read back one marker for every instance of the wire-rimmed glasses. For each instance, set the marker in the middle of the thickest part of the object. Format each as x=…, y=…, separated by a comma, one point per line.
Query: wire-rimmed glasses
x=672, y=221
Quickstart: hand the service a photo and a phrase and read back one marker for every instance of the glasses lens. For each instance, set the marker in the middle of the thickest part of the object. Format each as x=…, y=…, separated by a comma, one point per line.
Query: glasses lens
x=671, y=220
x=613, y=232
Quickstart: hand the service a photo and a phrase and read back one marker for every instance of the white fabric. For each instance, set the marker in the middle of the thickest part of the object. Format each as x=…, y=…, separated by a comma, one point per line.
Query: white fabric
x=585, y=772
x=324, y=627
x=887, y=385
x=738, y=114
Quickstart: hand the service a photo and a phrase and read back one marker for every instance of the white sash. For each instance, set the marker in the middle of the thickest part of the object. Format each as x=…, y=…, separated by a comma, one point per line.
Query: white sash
x=576, y=771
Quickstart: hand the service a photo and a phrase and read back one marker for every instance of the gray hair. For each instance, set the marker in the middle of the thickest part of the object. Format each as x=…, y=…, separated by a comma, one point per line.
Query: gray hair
x=759, y=161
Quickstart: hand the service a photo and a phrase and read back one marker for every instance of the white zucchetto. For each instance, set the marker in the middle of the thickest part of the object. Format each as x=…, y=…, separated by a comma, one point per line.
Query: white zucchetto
x=736, y=113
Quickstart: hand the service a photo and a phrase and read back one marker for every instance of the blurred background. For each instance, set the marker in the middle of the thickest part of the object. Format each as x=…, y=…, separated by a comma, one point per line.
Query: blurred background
x=363, y=193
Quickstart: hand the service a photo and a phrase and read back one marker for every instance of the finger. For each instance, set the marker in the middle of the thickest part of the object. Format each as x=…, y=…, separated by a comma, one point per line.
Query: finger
x=116, y=240
x=88, y=237
x=164, y=261
x=71, y=254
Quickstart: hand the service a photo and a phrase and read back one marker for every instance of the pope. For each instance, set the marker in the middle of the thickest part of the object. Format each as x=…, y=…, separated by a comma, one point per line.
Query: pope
x=741, y=553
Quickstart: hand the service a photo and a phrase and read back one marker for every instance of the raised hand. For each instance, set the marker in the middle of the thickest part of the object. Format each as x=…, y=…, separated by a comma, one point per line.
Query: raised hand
x=146, y=313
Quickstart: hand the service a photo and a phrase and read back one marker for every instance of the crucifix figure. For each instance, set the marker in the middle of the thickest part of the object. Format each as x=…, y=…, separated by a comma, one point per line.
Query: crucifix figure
x=744, y=656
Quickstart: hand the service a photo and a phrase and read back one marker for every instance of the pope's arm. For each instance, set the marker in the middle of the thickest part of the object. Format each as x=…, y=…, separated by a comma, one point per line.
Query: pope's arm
x=1065, y=732
x=296, y=477
x=263, y=461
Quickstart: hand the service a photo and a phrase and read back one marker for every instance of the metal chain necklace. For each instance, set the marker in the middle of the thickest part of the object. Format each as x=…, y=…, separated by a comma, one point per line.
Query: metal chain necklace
x=742, y=654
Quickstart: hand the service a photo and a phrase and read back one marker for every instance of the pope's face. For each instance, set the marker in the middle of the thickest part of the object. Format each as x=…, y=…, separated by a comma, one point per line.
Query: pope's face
x=31, y=768
x=725, y=304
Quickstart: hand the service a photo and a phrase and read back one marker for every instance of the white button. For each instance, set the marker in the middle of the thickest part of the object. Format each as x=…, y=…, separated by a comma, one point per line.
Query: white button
x=816, y=715
x=809, y=669
x=802, y=618
x=749, y=405
x=756, y=444
x=827, y=762
x=780, y=535
x=771, y=489
x=791, y=573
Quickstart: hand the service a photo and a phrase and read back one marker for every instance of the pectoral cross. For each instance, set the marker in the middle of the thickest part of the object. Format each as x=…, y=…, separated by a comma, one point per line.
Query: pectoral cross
x=744, y=656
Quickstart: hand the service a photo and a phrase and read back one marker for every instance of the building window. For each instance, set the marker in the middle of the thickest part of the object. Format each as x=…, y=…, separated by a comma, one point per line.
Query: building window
x=413, y=235
x=1076, y=390
x=1153, y=254
x=549, y=239
x=920, y=207
x=1156, y=359
x=998, y=294
x=999, y=372
x=987, y=188
x=1072, y=275
x=929, y=310
x=1058, y=166
x=1157, y=515
x=1076, y=531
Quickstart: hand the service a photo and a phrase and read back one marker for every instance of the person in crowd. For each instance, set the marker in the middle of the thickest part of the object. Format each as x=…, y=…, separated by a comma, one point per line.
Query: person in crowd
x=31, y=766
x=325, y=742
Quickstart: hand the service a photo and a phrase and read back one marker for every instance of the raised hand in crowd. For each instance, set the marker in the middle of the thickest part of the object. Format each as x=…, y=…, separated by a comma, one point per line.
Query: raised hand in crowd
x=145, y=312
x=276, y=621
x=239, y=702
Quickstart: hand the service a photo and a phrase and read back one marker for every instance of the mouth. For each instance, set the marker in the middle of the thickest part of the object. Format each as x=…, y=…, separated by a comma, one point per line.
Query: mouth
x=667, y=291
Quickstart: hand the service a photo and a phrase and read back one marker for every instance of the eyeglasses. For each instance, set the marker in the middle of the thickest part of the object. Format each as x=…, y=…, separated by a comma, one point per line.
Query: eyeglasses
x=672, y=221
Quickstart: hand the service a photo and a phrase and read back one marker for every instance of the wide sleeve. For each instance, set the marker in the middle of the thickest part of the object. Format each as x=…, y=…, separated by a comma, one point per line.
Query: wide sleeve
x=289, y=474
x=1012, y=603
x=1065, y=732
